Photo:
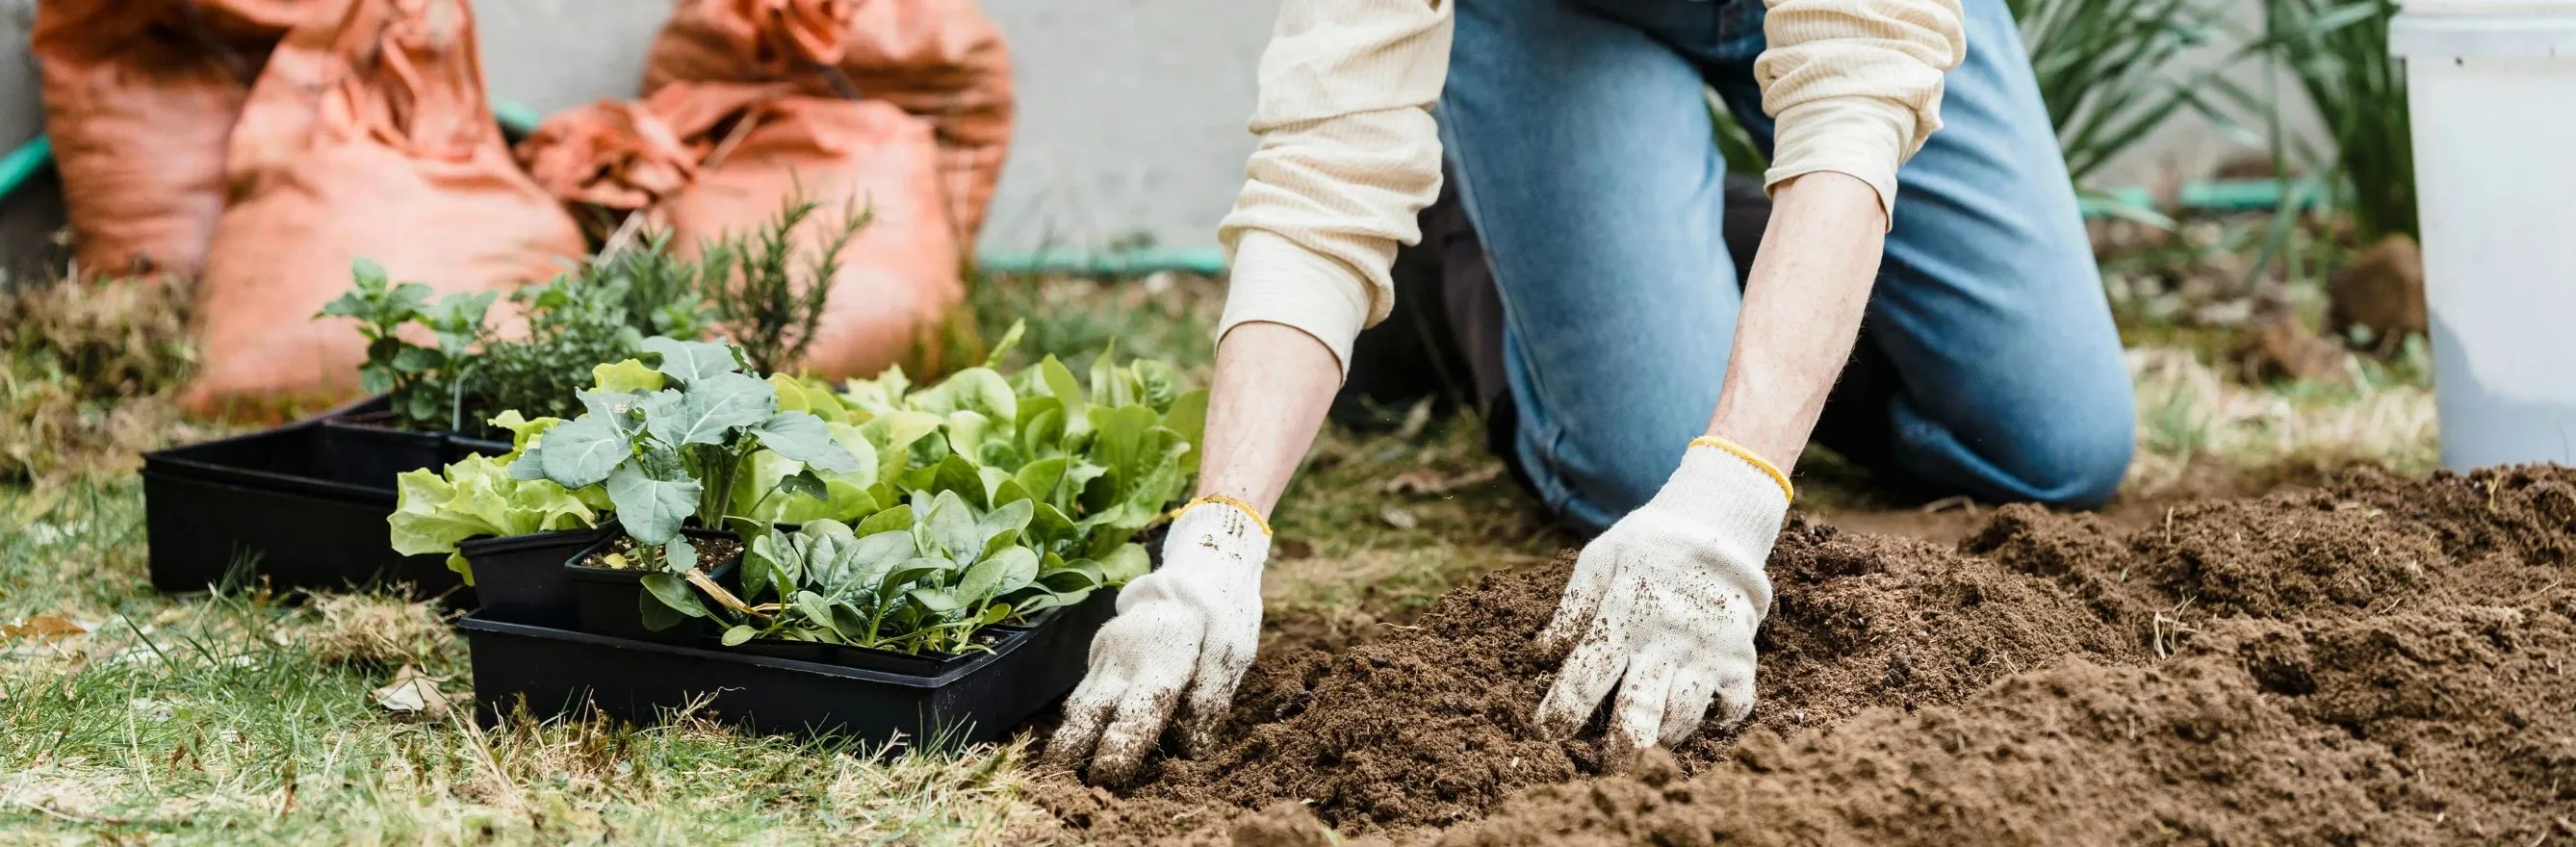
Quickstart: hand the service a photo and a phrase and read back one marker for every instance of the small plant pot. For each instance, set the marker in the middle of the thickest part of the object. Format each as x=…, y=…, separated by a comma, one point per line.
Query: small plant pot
x=969, y=698
x=521, y=578
x=610, y=601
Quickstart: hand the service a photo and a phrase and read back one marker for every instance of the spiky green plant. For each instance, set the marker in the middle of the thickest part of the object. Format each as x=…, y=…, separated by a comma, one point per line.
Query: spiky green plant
x=2108, y=71
x=2337, y=51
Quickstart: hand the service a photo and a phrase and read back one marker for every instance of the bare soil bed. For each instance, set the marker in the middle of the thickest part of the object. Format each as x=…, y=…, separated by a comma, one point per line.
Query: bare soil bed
x=2371, y=661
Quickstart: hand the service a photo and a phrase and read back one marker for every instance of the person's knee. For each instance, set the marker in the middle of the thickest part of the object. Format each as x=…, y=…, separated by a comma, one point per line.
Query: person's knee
x=2079, y=463
x=2068, y=452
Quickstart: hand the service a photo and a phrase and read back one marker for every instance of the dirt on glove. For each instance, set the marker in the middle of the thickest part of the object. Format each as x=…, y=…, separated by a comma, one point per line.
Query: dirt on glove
x=2374, y=661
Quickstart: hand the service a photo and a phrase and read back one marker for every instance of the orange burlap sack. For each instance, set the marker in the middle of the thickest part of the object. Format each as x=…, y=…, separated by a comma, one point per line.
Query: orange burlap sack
x=940, y=60
x=715, y=160
x=613, y=154
x=139, y=97
x=367, y=136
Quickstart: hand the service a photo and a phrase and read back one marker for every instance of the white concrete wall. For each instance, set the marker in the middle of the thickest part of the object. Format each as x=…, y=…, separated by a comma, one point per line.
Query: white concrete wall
x=1131, y=111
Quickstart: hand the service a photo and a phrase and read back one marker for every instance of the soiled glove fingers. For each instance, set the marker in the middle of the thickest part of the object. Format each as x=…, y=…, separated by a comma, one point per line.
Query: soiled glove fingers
x=1211, y=695
x=1182, y=639
x=1593, y=570
x=1123, y=703
x=1663, y=606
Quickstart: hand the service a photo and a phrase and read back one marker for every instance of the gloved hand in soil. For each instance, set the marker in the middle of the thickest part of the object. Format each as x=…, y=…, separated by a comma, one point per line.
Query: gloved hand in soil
x=1664, y=605
x=1183, y=636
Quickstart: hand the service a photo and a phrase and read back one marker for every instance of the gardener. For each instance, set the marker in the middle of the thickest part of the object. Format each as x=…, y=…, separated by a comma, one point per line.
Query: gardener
x=1656, y=402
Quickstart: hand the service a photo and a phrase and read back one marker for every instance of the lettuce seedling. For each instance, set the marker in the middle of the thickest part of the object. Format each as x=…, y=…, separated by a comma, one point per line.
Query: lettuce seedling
x=436, y=511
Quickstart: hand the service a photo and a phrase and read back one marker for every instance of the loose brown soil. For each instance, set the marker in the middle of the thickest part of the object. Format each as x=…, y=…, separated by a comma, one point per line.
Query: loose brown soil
x=2374, y=661
x=712, y=551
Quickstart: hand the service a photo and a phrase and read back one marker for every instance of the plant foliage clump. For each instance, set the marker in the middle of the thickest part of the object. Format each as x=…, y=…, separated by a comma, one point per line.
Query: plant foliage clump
x=666, y=444
x=873, y=515
x=749, y=287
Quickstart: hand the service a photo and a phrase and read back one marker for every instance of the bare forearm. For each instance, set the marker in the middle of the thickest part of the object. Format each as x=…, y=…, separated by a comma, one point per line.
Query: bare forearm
x=1802, y=310
x=1273, y=387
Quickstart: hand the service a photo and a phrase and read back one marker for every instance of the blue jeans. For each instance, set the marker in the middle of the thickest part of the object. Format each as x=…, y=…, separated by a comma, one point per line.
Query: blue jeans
x=1581, y=143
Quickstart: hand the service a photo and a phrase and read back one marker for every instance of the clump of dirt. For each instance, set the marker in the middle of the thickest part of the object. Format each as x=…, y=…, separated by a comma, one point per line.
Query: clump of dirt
x=1429, y=726
x=2374, y=660
x=2382, y=290
x=619, y=555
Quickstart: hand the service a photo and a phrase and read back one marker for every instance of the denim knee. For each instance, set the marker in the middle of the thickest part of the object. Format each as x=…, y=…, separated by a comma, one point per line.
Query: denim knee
x=2068, y=457
x=2084, y=465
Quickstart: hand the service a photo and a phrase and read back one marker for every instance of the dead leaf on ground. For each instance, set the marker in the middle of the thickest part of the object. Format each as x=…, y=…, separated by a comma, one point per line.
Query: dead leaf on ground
x=411, y=693
x=43, y=628
x=1433, y=483
x=1399, y=518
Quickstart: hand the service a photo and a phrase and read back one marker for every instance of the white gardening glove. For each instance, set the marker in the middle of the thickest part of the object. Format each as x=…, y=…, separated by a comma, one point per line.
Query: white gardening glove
x=1183, y=636
x=1665, y=603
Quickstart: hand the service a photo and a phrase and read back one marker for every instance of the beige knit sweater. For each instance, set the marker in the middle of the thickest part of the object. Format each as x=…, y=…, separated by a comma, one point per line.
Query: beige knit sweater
x=1349, y=154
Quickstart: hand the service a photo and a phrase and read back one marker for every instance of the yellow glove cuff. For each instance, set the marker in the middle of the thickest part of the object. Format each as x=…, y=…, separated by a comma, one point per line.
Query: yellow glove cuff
x=1747, y=455
x=1246, y=508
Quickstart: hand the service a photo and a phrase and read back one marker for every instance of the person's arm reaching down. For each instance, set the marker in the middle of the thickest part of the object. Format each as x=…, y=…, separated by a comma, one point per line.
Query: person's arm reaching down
x=1664, y=605
x=1185, y=633
x=1348, y=157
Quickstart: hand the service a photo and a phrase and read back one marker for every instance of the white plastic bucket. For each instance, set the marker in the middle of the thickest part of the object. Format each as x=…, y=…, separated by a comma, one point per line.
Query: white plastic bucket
x=2492, y=86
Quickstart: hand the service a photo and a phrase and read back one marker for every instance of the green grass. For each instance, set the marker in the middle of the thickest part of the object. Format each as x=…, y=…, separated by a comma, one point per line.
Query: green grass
x=236, y=717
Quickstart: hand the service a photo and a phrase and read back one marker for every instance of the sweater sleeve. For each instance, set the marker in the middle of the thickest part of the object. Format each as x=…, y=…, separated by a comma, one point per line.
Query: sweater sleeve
x=1348, y=156
x=1855, y=85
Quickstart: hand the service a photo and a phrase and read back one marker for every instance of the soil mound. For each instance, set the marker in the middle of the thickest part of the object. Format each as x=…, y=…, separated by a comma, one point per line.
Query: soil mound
x=2315, y=666
x=2446, y=727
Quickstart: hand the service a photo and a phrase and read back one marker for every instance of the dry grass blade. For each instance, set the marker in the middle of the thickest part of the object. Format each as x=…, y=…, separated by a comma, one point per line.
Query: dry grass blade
x=2189, y=414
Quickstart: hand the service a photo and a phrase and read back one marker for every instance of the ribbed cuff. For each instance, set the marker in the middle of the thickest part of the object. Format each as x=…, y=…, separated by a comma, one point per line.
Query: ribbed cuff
x=1235, y=532
x=1728, y=490
x=1860, y=137
x=1274, y=280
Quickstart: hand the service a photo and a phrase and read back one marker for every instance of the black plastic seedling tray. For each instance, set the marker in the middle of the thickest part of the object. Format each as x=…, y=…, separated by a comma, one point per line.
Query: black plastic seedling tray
x=303, y=506
x=975, y=697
